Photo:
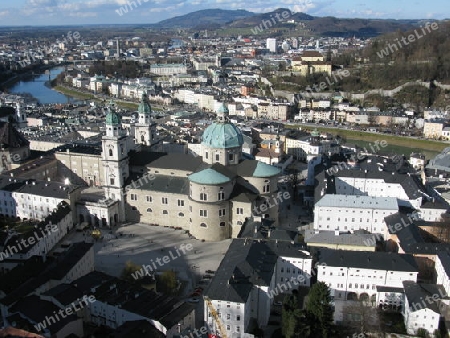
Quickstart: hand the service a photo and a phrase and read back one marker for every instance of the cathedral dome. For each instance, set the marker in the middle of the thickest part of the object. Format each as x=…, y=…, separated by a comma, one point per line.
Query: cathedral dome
x=222, y=134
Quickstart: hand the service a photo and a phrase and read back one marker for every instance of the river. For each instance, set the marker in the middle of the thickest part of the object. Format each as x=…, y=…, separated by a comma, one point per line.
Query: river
x=39, y=87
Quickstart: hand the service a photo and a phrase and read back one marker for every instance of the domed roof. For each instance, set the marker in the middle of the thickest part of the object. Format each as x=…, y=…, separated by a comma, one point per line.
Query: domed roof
x=209, y=176
x=144, y=105
x=264, y=170
x=112, y=118
x=222, y=135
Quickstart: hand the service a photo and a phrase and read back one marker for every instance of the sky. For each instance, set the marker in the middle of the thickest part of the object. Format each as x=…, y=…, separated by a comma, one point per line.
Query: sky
x=75, y=12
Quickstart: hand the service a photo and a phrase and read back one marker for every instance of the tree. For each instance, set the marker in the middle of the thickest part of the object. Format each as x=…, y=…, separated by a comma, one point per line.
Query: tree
x=288, y=318
x=422, y=333
x=362, y=316
x=319, y=306
x=167, y=282
x=128, y=270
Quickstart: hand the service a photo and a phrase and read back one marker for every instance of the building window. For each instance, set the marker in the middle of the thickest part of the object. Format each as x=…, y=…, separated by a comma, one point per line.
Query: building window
x=230, y=157
x=221, y=195
x=239, y=211
x=221, y=212
x=133, y=197
x=164, y=200
x=203, y=213
x=203, y=196
x=266, y=188
x=180, y=214
x=222, y=224
x=165, y=212
x=203, y=225
x=238, y=317
x=149, y=198
x=181, y=203
x=110, y=152
x=111, y=181
x=217, y=157
x=149, y=210
x=206, y=155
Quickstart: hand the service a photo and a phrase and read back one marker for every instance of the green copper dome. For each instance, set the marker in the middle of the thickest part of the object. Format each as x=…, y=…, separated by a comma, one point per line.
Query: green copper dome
x=222, y=135
x=265, y=170
x=209, y=176
x=112, y=118
x=144, y=105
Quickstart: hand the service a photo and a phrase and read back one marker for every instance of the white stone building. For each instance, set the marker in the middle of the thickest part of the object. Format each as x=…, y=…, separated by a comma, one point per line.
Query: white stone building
x=250, y=275
x=349, y=213
x=353, y=276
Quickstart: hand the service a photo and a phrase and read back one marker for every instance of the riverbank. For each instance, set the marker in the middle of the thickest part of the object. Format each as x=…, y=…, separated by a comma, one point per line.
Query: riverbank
x=87, y=96
x=408, y=143
x=38, y=70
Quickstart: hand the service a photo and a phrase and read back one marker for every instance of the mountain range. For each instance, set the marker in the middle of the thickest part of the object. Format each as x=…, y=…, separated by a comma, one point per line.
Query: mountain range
x=212, y=19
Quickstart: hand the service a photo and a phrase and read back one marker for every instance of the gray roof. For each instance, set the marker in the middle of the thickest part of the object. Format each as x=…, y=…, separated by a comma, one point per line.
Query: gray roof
x=368, y=260
x=418, y=293
x=444, y=257
x=351, y=201
x=38, y=188
x=164, y=183
x=329, y=237
x=382, y=288
x=248, y=263
x=390, y=173
x=177, y=161
x=441, y=161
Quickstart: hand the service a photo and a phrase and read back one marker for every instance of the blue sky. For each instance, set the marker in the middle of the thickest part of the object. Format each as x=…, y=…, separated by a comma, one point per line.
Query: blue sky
x=73, y=12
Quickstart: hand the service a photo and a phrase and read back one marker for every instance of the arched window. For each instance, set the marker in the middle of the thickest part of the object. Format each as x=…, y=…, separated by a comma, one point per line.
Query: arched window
x=110, y=152
x=203, y=225
x=181, y=214
x=239, y=223
x=165, y=212
x=149, y=210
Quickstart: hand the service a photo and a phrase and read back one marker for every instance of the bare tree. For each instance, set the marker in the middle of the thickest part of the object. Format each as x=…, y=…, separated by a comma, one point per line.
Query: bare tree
x=362, y=316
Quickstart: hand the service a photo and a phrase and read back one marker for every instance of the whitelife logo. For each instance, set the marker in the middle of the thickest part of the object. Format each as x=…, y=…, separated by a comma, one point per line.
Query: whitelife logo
x=400, y=43
x=25, y=243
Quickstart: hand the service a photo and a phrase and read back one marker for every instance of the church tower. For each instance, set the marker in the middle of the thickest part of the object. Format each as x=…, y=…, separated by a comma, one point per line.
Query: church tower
x=21, y=118
x=115, y=159
x=143, y=129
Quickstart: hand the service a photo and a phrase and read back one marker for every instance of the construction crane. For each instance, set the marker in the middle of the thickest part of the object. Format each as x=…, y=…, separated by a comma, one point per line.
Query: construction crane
x=212, y=310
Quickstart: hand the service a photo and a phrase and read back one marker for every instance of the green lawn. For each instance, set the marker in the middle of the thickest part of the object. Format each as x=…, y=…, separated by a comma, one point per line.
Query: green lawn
x=398, y=141
x=74, y=93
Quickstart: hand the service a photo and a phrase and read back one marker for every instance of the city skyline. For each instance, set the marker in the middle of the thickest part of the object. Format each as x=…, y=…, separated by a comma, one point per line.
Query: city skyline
x=76, y=12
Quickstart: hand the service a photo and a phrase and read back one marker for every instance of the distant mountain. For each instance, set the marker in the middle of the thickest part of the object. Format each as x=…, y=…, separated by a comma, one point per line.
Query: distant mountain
x=300, y=22
x=275, y=18
x=323, y=26
x=332, y=26
x=207, y=18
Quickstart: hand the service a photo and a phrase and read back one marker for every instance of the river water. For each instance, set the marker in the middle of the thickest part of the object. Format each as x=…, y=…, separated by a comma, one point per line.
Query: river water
x=39, y=87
